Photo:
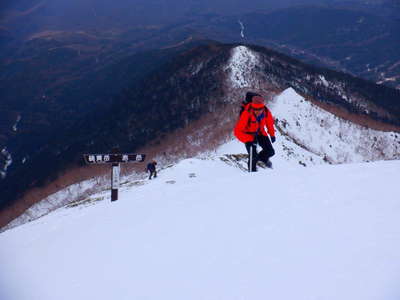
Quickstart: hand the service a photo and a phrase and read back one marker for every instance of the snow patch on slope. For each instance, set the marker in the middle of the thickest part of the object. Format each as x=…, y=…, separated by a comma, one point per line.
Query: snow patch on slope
x=324, y=81
x=15, y=126
x=6, y=156
x=57, y=200
x=241, y=67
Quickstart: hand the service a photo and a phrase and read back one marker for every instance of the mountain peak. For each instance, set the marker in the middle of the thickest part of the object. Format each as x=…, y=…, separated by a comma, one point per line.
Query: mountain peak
x=242, y=64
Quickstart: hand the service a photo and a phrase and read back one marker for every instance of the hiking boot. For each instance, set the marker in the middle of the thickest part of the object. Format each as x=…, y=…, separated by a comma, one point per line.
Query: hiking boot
x=268, y=164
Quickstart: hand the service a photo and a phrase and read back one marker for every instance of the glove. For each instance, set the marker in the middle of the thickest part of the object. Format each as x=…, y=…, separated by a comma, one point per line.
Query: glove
x=273, y=139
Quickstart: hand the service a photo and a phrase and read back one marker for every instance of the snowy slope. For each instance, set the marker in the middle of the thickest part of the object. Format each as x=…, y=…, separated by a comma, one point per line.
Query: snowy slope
x=329, y=136
x=307, y=135
x=316, y=130
x=206, y=230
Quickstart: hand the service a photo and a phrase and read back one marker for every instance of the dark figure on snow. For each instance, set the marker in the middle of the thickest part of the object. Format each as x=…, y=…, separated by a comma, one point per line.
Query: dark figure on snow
x=250, y=130
x=151, y=167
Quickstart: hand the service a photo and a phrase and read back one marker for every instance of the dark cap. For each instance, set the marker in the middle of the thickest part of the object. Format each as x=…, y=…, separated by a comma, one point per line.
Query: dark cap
x=249, y=96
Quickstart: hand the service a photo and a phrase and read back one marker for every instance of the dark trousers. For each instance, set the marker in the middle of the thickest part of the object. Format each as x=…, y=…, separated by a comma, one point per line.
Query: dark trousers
x=264, y=155
x=153, y=173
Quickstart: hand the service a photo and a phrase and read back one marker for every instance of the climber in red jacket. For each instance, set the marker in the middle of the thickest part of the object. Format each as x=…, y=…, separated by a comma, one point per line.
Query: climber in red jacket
x=250, y=129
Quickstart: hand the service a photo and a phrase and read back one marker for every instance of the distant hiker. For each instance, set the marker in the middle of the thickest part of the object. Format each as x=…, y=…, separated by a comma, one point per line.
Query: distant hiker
x=151, y=167
x=250, y=130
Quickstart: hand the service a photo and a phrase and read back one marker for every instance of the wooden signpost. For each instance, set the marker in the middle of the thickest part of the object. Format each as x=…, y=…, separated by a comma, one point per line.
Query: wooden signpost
x=115, y=159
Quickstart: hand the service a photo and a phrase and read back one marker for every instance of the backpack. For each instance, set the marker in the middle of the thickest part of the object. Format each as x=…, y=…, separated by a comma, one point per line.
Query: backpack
x=244, y=106
x=151, y=166
x=259, y=118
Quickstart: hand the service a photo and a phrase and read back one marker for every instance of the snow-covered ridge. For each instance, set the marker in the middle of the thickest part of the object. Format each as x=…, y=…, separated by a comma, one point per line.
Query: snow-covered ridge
x=241, y=67
x=335, y=139
x=307, y=136
x=60, y=199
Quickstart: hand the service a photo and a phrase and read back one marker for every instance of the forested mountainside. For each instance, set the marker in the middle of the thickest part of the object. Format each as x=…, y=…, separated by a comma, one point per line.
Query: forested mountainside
x=36, y=105
x=62, y=60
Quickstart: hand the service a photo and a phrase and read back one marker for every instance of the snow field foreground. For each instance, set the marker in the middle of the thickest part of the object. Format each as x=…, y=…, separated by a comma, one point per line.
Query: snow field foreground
x=206, y=230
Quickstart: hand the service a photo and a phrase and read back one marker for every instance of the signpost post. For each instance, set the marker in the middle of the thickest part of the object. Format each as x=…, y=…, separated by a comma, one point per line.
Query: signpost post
x=115, y=159
x=115, y=181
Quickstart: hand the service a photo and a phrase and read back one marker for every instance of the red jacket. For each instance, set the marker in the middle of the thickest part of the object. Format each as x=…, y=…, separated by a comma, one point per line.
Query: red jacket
x=247, y=126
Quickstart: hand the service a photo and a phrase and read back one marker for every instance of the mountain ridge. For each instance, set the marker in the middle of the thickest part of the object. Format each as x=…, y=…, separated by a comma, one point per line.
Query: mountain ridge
x=307, y=136
x=194, y=84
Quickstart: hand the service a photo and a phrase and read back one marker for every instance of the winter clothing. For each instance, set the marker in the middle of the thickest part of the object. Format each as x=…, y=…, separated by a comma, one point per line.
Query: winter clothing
x=264, y=155
x=250, y=130
x=267, y=149
x=248, y=127
x=151, y=167
x=252, y=147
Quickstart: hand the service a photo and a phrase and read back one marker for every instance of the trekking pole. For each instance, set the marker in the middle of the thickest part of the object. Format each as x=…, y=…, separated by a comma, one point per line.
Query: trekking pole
x=253, y=148
x=251, y=158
